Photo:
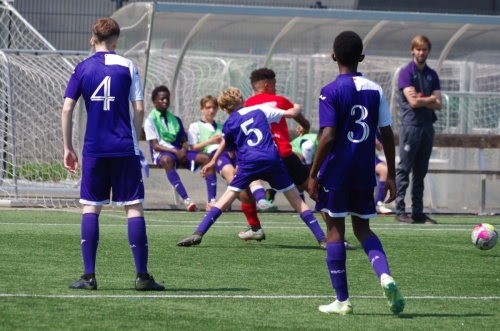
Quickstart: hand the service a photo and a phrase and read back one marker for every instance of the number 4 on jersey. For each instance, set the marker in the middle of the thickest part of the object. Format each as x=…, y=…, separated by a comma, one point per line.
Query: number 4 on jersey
x=105, y=86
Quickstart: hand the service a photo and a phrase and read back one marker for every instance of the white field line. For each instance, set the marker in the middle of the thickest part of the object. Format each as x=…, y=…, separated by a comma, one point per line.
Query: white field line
x=213, y=296
x=266, y=225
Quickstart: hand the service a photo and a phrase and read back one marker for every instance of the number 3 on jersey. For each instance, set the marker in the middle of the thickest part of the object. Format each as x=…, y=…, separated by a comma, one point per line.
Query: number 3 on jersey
x=105, y=86
x=247, y=131
x=366, y=129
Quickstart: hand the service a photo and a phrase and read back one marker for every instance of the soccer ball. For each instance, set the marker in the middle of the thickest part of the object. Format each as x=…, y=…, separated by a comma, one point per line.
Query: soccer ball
x=484, y=236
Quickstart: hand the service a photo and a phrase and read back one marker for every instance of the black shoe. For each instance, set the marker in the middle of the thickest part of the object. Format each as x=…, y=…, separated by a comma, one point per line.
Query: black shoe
x=192, y=240
x=270, y=194
x=404, y=218
x=145, y=282
x=85, y=283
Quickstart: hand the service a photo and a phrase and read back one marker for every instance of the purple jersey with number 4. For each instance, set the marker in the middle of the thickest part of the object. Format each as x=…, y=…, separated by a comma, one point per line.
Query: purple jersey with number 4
x=107, y=82
x=247, y=132
x=355, y=106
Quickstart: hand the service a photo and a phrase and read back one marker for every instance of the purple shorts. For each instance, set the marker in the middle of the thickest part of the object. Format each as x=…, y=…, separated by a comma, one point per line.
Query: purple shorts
x=275, y=174
x=223, y=161
x=191, y=156
x=340, y=203
x=377, y=160
x=120, y=176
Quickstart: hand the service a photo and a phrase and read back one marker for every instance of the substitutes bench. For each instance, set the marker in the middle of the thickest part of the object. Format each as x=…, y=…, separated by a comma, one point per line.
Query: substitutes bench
x=478, y=141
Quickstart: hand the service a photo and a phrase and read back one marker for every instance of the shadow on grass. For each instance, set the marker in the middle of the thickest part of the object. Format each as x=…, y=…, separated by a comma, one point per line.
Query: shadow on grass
x=169, y=290
x=195, y=290
x=257, y=246
x=412, y=316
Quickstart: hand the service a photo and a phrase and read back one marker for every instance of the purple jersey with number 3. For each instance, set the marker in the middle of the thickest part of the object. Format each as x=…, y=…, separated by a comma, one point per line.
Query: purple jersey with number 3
x=355, y=106
x=107, y=82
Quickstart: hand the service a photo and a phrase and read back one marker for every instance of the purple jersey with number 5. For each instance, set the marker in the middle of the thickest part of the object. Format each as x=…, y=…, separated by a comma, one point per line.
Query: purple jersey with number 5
x=247, y=132
x=107, y=82
x=355, y=106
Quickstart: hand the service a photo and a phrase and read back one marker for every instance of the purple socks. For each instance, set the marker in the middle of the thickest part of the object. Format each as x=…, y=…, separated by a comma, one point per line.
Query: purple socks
x=259, y=194
x=175, y=180
x=373, y=248
x=380, y=191
x=138, y=243
x=211, y=181
x=312, y=224
x=90, y=241
x=336, y=263
x=210, y=217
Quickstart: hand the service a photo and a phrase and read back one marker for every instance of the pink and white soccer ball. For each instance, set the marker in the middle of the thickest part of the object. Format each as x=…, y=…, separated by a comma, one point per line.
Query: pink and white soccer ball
x=484, y=236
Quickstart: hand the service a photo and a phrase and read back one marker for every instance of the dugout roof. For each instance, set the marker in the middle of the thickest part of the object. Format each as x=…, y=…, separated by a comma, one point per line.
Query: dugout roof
x=198, y=49
x=270, y=30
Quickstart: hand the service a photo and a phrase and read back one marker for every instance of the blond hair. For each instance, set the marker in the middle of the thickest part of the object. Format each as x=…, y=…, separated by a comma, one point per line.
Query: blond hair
x=230, y=99
x=419, y=40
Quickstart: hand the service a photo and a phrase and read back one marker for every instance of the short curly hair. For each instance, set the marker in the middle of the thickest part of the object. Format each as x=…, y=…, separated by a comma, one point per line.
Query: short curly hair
x=262, y=74
x=348, y=47
x=157, y=90
x=230, y=99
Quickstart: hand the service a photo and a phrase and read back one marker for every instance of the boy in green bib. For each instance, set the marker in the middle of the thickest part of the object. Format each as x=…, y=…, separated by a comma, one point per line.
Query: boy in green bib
x=168, y=141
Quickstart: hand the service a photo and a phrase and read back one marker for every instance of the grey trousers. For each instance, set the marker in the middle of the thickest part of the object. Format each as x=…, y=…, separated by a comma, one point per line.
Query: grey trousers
x=415, y=148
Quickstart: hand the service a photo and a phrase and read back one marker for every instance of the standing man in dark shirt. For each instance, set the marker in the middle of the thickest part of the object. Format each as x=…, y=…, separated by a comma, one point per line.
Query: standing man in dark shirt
x=420, y=97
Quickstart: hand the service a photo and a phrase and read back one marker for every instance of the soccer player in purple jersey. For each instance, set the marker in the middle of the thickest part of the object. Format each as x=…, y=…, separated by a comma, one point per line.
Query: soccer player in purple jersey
x=206, y=135
x=110, y=157
x=342, y=176
x=247, y=135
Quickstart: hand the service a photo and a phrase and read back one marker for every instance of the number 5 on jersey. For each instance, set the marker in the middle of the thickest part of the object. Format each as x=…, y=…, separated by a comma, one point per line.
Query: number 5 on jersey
x=247, y=131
